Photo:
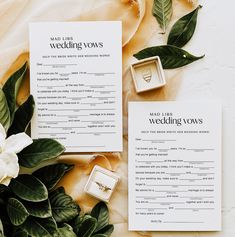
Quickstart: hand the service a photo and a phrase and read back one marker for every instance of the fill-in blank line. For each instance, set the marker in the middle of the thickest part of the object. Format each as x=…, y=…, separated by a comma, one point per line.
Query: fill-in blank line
x=200, y=161
x=151, y=208
x=164, y=203
x=104, y=97
x=85, y=146
x=195, y=149
x=175, y=173
x=96, y=133
x=67, y=127
x=153, y=197
x=198, y=208
x=62, y=121
x=148, y=161
x=105, y=91
x=77, y=97
x=190, y=179
x=91, y=103
x=202, y=173
x=60, y=64
x=72, y=115
x=97, y=121
x=184, y=222
x=51, y=86
x=167, y=140
x=179, y=185
x=77, y=109
x=196, y=197
x=100, y=73
x=171, y=191
x=42, y=133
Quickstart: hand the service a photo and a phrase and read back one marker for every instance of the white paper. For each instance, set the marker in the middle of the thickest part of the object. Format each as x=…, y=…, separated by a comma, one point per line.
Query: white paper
x=174, y=166
x=76, y=81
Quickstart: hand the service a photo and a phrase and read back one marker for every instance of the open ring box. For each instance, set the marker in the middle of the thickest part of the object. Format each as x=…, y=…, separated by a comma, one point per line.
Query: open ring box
x=148, y=74
x=101, y=183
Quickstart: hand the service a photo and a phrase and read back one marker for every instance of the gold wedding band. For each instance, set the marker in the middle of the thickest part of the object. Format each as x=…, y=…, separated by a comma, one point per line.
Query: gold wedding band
x=147, y=75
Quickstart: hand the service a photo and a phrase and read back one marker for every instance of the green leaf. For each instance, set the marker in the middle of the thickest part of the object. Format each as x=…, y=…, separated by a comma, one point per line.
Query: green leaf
x=38, y=227
x=183, y=30
x=5, y=118
x=99, y=235
x=4, y=191
x=162, y=10
x=1, y=229
x=29, y=188
x=87, y=227
x=20, y=233
x=107, y=230
x=39, y=209
x=171, y=56
x=63, y=207
x=101, y=213
x=23, y=116
x=66, y=231
x=9, y=89
x=16, y=211
x=40, y=150
x=77, y=222
x=50, y=175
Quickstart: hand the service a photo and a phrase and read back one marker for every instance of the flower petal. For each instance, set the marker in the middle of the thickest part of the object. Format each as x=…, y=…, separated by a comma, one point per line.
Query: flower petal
x=2, y=137
x=17, y=142
x=3, y=170
x=11, y=164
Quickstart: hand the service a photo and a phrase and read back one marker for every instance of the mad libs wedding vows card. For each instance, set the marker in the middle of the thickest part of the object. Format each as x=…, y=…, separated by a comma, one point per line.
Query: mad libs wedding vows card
x=76, y=80
x=174, y=166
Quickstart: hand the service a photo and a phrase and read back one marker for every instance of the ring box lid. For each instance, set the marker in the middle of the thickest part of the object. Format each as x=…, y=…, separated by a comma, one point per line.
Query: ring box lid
x=148, y=74
x=104, y=177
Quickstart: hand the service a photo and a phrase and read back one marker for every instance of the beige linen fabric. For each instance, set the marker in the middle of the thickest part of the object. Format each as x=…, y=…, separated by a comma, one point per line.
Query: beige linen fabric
x=140, y=30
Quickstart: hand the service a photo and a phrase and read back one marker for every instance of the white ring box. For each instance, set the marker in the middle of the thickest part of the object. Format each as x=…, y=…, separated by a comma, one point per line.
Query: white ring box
x=148, y=74
x=101, y=183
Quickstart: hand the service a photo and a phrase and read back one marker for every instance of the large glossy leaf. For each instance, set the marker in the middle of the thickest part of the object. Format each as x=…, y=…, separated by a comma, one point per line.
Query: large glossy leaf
x=99, y=235
x=183, y=30
x=16, y=211
x=107, y=230
x=87, y=227
x=50, y=175
x=171, y=56
x=63, y=207
x=101, y=213
x=38, y=227
x=39, y=209
x=23, y=116
x=10, y=91
x=77, y=222
x=5, y=118
x=66, y=231
x=40, y=150
x=1, y=229
x=29, y=188
x=4, y=191
x=162, y=10
x=20, y=233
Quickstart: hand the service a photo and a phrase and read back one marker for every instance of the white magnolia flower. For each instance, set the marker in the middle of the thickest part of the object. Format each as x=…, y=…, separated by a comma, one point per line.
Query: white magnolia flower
x=9, y=166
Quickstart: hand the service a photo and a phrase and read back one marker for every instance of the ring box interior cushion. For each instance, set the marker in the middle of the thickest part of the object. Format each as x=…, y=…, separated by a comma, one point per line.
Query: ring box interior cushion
x=101, y=183
x=148, y=74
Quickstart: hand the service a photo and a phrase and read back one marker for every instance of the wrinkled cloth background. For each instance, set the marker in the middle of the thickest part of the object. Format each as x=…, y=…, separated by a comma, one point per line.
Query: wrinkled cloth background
x=210, y=78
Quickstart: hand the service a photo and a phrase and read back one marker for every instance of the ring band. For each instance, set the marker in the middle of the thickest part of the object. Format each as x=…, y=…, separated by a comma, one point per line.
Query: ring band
x=102, y=187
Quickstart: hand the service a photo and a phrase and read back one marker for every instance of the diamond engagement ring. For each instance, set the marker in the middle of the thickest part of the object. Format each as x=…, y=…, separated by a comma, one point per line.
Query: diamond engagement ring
x=102, y=187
